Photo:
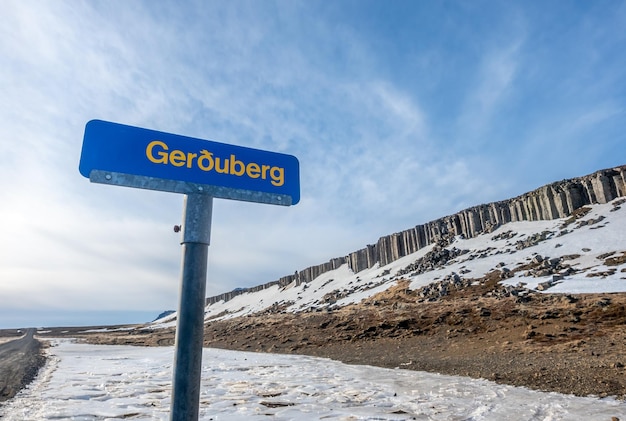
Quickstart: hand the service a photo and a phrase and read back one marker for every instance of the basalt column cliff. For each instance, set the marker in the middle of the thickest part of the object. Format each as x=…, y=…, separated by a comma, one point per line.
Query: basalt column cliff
x=553, y=201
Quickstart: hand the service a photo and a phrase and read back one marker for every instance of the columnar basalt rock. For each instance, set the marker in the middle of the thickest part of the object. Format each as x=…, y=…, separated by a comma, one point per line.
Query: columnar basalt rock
x=556, y=200
x=363, y=259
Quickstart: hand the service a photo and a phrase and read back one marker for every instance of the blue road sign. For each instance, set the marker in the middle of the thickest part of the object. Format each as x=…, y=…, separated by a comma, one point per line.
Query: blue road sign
x=135, y=157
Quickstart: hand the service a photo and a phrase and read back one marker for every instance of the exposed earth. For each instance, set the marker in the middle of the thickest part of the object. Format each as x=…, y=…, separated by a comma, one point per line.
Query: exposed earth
x=573, y=344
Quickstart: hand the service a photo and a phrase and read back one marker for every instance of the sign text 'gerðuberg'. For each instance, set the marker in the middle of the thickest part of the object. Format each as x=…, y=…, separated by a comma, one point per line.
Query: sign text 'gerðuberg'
x=129, y=156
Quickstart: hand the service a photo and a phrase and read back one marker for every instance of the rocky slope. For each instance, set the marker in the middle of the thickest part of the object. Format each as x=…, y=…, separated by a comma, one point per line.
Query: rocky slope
x=556, y=200
x=537, y=303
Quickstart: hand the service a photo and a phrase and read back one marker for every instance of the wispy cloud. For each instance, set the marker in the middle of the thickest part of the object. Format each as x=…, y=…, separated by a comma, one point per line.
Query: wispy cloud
x=492, y=85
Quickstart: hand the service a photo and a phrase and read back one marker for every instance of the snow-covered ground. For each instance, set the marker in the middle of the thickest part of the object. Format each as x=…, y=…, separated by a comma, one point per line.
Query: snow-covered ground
x=91, y=382
x=588, y=239
x=88, y=382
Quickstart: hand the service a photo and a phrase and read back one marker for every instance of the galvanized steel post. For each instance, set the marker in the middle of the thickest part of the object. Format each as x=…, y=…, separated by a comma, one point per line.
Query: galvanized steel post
x=197, y=212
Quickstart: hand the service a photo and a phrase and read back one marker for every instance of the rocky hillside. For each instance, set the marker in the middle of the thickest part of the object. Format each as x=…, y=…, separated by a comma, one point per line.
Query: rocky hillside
x=553, y=201
x=539, y=303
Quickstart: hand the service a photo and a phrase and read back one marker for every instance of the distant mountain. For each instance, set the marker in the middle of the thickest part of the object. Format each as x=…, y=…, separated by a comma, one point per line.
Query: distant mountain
x=164, y=314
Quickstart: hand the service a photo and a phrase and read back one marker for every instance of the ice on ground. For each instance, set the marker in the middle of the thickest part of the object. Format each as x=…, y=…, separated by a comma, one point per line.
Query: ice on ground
x=96, y=382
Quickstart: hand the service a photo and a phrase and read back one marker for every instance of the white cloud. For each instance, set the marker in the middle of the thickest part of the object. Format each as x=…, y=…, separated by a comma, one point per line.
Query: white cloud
x=409, y=119
x=493, y=86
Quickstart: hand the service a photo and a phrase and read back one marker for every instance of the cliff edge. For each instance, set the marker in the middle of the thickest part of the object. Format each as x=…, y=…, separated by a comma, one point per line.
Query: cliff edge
x=552, y=201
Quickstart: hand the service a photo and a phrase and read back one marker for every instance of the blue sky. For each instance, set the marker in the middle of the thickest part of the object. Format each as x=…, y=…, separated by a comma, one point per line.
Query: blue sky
x=399, y=112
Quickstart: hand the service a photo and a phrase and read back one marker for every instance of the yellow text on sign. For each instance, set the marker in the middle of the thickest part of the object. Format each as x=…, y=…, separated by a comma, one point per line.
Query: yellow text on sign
x=159, y=152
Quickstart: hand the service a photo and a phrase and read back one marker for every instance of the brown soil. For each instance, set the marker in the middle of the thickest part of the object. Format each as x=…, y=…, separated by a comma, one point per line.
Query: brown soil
x=553, y=342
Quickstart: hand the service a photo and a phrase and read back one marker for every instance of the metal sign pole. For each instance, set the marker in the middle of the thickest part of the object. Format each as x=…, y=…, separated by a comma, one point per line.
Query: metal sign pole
x=197, y=212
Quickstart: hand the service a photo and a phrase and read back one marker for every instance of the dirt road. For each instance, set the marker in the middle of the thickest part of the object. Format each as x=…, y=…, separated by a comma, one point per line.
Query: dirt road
x=20, y=360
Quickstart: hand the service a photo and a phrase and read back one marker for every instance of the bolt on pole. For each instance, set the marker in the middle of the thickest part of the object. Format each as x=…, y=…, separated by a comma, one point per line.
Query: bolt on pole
x=197, y=213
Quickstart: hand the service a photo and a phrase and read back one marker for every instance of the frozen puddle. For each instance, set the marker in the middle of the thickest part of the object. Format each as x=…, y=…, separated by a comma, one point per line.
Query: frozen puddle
x=90, y=382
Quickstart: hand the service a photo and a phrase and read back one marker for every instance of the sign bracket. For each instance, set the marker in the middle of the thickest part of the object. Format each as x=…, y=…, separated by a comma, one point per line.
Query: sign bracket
x=187, y=187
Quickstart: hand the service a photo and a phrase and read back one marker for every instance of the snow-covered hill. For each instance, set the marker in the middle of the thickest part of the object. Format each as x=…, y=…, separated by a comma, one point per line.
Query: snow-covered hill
x=583, y=253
